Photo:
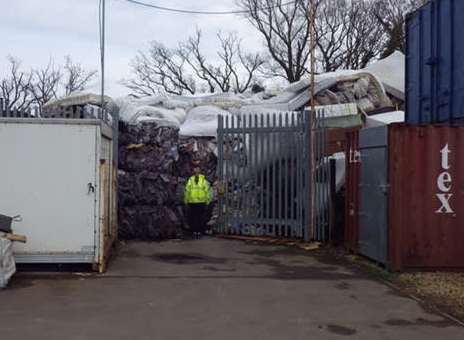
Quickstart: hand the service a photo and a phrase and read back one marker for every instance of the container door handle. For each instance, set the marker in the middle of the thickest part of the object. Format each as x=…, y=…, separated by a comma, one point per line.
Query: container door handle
x=385, y=188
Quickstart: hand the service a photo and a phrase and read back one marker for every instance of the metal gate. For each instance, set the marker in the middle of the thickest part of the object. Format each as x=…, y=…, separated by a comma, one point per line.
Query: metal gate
x=265, y=177
x=373, y=188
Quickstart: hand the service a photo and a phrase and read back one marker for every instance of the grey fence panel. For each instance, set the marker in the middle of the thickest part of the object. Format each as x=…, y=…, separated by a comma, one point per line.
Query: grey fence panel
x=264, y=173
x=220, y=189
x=273, y=179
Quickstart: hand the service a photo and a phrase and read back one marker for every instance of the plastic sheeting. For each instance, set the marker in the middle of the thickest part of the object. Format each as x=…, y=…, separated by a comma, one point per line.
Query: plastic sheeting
x=362, y=88
x=7, y=263
x=79, y=99
x=340, y=169
x=391, y=72
x=144, y=110
x=202, y=121
x=385, y=119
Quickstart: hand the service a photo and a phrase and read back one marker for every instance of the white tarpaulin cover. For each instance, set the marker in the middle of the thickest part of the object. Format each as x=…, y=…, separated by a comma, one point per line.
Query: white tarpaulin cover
x=149, y=109
x=385, y=119
x=7, y=263
x=78, y=98
x=391, y=72
x=197, y=115
x=202, y=121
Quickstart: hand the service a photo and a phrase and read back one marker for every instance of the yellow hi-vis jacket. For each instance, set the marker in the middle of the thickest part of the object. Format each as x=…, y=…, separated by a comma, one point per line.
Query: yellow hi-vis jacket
x=198, y=193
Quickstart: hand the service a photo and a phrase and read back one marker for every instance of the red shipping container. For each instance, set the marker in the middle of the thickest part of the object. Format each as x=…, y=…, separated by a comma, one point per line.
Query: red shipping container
x=353, y=163
x=426, y=201
x=426, y=197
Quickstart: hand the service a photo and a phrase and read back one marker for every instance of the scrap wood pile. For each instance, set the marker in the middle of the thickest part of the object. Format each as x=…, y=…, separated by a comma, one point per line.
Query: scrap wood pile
x=154, y=165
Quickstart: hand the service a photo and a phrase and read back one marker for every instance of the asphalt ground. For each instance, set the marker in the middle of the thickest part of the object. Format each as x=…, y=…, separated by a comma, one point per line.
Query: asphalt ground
x=215, y=289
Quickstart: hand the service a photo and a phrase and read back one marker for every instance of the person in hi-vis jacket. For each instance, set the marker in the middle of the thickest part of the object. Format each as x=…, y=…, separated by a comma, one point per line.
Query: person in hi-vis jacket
x=197, y=197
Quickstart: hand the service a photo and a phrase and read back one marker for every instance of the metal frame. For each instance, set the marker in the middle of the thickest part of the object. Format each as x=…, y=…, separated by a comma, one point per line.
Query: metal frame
x=265, y=176
x=373, y=193
x=322, y=194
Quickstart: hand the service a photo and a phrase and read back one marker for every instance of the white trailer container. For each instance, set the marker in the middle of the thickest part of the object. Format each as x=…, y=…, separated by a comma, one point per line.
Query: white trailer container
x=58, y=174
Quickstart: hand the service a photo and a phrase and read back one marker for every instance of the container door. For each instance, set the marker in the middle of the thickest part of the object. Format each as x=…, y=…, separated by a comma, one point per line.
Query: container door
x=353, y=162
x=373, y=190
x=49, y=179
x=444, y=47
x=458, y=66
x=413, y=69
x=428, y=63
x=434, y=68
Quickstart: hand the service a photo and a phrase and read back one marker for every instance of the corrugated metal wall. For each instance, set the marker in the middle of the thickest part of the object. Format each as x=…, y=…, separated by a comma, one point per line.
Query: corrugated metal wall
x=426, y=197
x=434, y=67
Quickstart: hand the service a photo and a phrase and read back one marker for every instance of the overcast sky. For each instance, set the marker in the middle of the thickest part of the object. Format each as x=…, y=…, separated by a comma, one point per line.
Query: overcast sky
x=35, y=30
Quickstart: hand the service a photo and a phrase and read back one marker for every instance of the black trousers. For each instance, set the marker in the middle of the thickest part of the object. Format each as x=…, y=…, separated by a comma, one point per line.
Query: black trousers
x=197, y=217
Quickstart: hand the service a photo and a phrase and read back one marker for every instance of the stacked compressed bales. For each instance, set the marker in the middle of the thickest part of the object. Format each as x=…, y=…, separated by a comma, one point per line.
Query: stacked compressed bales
x=154, y=165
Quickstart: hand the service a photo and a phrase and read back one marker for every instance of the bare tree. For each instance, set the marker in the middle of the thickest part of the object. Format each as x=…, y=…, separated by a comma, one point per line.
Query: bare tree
x=160, y=70
x=15, y=88
x=186, y=69
x=390, y=15
x=365, y=38
x=21, y=90
x=285, y=29
x=45, y=84
x=349, y=33
x=76, y=77
x=332, y=30
x=235, y=71
x=346, y=35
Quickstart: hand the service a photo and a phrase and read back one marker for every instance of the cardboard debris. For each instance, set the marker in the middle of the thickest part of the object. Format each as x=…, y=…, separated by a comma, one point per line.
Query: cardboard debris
x=135, y=146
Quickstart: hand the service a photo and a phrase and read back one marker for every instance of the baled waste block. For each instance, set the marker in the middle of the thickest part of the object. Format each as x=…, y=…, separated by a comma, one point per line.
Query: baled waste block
x=154, y=165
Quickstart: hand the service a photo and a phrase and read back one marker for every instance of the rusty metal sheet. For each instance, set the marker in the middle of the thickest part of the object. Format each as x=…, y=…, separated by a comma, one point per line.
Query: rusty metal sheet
x=353, y=162
x=426, y=203
x=337, y=139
